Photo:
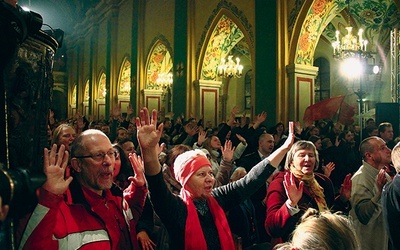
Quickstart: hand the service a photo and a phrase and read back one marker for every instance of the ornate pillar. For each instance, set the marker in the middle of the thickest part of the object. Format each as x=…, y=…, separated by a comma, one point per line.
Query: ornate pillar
x=209, y=100
x=301, y=89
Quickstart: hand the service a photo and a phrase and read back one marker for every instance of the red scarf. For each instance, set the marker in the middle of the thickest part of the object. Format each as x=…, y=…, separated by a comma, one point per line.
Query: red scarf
x=194, y=236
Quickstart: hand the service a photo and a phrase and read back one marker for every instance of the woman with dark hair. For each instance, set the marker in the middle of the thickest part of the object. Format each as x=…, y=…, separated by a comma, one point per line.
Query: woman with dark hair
x=122, y=168
x=211, y=145
x=291, y=192
x=278, y=131
x=168, y=168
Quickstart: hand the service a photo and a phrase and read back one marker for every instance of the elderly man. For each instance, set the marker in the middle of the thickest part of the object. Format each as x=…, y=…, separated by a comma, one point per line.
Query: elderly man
x=366, y=192
x=391, y=201
x=86, y=210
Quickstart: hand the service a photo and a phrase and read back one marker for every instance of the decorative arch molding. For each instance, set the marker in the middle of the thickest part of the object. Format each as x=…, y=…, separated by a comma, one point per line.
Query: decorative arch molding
x=233, y=13
x=224, y=34
x=311, y=22
x=86, y=91
x=73, y=101
x=124, y=78
x=227, y=14
x=160, y=38
x=101, y=85
x=159, y=60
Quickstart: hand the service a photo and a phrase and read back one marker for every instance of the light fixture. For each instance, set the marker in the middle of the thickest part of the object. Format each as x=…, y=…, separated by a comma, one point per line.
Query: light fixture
x=164, y=80
x=350, y=45
x=228, y=68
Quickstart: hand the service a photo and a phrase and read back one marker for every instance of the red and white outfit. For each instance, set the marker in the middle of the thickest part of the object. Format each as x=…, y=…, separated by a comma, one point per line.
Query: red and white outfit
x=82, y=219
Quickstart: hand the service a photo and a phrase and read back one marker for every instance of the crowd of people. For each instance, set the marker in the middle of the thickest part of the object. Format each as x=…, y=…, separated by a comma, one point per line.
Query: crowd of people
x=151, y=182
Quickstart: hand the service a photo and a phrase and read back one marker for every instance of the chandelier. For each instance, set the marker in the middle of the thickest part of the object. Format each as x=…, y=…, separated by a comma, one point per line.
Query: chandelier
x=228, y=68
x=350, y=45
x=164, y=80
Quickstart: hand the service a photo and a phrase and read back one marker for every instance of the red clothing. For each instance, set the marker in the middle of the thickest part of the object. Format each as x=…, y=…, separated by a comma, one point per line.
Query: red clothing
x=82, y=219
x=279, y=224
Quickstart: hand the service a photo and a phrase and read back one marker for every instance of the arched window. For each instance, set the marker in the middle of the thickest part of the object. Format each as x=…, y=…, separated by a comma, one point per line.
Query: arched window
x=322, y=83
x=73, y=97
x=87, y=93
x=160, y=64
x=125, y=79
x=102, y=90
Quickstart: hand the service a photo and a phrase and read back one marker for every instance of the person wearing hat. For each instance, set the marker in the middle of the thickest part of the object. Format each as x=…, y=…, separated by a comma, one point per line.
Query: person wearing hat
x=196, y=218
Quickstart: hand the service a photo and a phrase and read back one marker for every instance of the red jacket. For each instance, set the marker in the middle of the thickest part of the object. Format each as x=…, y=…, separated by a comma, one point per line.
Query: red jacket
x=279, y=224
x=82, y=219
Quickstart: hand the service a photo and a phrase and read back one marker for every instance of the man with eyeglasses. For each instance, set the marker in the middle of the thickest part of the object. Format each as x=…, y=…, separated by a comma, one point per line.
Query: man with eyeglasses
x=86, y=210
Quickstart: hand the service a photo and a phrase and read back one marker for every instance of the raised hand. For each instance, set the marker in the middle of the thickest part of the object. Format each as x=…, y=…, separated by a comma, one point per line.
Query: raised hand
x=290, y=139
x=298, y=128
x=54, y=166
x=191, y=129
x=293, y=192
x=201, y=138
x=116, y=111
x=138, y=180
x=129, y=110
x=261, y=117
x=277, y=156
x=345, y=189
x=328, y=169
x=227, y=151
x=235, y=110
x=148, y=134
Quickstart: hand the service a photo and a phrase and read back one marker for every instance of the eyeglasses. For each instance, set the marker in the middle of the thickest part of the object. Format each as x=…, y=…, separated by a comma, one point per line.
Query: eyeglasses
x=100, y=156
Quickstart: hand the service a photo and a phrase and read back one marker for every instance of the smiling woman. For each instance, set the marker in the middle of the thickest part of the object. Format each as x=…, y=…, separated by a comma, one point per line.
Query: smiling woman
x=297, y=188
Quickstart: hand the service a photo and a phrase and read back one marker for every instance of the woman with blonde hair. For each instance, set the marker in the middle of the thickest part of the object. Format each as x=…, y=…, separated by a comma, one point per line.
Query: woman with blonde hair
x=323, y=231
x=64, y=134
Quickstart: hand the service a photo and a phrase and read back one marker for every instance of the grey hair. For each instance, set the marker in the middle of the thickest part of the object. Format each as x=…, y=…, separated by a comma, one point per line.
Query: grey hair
x=299, y=145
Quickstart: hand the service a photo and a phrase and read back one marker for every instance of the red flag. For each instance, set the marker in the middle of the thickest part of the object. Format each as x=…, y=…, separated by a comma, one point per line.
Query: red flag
x=325, y=109
x=346, y=114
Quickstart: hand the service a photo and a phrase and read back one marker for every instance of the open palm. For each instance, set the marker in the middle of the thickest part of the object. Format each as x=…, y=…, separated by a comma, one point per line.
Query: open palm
x=54, y=166
x=148, y=134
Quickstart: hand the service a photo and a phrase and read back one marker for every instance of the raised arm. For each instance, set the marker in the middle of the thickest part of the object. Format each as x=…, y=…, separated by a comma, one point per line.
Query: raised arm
x=148, y=136
x=135, y=193
x=277, y=156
